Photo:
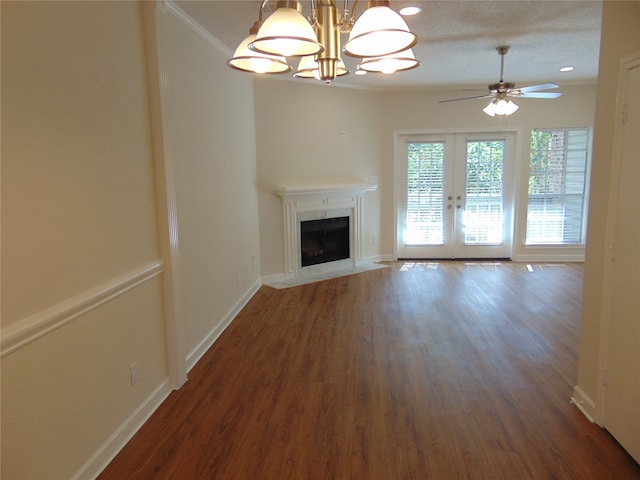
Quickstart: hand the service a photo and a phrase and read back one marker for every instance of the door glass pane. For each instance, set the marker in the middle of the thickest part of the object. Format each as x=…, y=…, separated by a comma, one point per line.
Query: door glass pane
x=425, y=177
x=483, y=217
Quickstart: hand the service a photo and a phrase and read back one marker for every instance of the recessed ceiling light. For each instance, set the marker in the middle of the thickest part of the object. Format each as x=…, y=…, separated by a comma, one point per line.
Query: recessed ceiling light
x=568, y=68
x=412, y=10
x=360, y=71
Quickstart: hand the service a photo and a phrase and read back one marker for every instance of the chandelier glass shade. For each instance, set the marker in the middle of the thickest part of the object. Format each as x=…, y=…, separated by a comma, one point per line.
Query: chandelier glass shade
x=286, y=33
x=380, y=36
x=500, y=106
x=379, y=31
x=249, y=60
x=388, y=64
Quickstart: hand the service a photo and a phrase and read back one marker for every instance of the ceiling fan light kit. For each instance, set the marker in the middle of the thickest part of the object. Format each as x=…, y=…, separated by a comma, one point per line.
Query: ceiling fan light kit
x=380, y=37
x=501, y=105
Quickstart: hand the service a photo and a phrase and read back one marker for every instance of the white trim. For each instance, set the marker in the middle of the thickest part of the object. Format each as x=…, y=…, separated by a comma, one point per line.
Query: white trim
x=121, y=436
x=169, y=7
x=291, y=193
x=399, y=169
x=274, y=278
x=377, y=258
x=196, y=354
x=584, y=403
x=326, y=201
x=28, y=330
x=278, y=278
x=167, y=210
x=549, y=257
x=627, y=64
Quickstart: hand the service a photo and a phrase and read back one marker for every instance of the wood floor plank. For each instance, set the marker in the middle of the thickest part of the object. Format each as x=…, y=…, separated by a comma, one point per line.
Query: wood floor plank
x=423, y=370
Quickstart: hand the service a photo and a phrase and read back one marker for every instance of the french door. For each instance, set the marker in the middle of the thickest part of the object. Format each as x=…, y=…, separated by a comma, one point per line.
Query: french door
x=456, y=196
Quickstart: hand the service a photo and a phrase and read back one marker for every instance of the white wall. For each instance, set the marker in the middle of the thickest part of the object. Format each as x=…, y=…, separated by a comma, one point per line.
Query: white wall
x=620, y=37
x=298, y=125
x=83, y=282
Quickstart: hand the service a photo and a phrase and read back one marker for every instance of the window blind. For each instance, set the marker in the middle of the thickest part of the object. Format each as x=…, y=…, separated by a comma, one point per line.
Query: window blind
x=557, y=186
x=425, y=186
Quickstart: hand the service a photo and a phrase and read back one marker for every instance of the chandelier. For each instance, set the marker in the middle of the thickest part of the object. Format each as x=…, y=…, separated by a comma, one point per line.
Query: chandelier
x=379, y=37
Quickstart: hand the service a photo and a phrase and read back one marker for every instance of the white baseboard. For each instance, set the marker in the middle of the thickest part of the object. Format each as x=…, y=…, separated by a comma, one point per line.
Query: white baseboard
x=275, y=278
x=551, y=258
x=116, y=442
x=584, y=403
x=206, y=343
x=383, y=257
x=119, y=438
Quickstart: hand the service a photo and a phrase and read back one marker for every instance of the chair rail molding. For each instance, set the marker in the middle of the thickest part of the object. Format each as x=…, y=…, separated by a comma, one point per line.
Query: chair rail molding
x=32, y=328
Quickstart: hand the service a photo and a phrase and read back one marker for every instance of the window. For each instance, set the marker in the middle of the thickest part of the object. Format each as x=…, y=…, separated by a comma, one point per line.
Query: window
x=557, y=187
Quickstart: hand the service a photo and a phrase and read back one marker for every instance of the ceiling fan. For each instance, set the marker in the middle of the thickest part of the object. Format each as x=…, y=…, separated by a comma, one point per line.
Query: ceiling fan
x=500, y=104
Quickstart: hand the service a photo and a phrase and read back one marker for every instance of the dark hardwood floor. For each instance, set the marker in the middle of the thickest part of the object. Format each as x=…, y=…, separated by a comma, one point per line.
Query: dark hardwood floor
x=417, y=371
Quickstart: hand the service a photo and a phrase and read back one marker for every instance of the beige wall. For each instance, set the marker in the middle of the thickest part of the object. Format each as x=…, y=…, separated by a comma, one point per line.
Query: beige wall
x=79, y=205
x=298, y=126
x=298, y=140
x=420, y=111
x=81, y=220
x=620, y=37
x=78, y=215
x=211, y=141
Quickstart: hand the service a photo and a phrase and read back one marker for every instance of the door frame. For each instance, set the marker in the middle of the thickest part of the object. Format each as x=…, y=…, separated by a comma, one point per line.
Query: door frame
x=399, y=161
x=627, y=64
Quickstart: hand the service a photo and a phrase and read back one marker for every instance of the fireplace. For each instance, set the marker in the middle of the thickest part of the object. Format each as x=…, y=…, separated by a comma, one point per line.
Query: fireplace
x=330, y=217
x=324, y=240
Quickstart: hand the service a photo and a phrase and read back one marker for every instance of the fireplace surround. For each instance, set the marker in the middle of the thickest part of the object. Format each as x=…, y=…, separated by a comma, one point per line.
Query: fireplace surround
x=340, y=204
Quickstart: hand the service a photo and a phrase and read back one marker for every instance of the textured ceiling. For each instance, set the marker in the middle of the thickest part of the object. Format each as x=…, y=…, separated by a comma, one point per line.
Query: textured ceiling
x=457, y=40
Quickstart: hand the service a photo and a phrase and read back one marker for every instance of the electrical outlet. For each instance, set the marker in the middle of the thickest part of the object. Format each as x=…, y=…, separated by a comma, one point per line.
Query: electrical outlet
x=133, y=373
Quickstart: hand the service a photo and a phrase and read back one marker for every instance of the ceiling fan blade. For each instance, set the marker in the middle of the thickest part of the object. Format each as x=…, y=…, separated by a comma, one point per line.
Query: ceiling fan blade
x=474, y=90
x=535, y=88
x=465, y=98
x=537, y=95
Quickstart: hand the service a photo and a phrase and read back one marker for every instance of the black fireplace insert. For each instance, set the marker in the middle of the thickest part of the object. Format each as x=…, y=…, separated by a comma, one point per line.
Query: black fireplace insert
x=325, y=240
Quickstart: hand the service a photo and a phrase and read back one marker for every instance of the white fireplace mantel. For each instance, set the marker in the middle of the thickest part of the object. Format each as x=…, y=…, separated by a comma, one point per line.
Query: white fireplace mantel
x=321, y=201
x=289, y=192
